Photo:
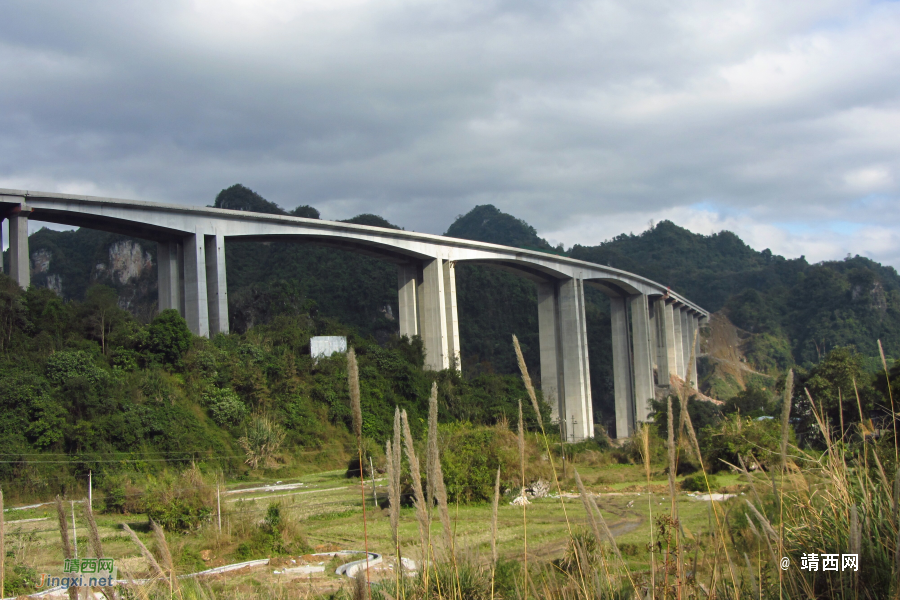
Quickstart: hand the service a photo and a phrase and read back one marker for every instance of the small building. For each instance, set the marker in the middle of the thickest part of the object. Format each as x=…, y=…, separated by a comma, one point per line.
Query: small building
x=323, y=346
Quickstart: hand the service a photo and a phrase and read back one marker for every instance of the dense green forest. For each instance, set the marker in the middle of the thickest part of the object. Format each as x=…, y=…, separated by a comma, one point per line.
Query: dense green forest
x=87, y=380
x=792, y=312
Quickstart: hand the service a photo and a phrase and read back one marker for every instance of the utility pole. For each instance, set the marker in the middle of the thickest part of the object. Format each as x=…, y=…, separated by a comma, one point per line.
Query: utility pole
x=372, y=471
x=219, y=507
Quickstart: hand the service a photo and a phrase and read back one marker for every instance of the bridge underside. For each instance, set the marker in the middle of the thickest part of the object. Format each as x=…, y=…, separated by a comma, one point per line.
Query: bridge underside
x=652, y=331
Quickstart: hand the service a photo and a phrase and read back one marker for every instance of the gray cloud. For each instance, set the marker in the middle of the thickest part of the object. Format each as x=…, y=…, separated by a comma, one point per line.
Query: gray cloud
x=779, y=120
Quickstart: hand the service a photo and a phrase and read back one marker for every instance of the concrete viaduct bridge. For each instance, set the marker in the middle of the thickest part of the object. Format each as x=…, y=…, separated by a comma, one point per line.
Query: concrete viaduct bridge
x=652, y=328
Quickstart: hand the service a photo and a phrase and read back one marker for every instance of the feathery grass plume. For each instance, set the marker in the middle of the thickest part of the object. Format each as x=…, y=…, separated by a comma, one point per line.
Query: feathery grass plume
x=397, y=448
x=96, y=545
x=562, y=503
x=360, y=589
x=163, y=546
x=645, y=446
x=612, y=540
x=436, y=488
x=148, y=556
x=786, y=415
x=521, y=439
x=526, y=379
x=670, y=447
x=431, y=446
x=63, y=528
x=592, y=519
x=494, y=514
x=64, y=540
x=418, y=494
x=753, y=587
x=356, y=411
x=393, y=500
x=855, y=531
x=897, y=524
x=887, y=379
x=355, y=406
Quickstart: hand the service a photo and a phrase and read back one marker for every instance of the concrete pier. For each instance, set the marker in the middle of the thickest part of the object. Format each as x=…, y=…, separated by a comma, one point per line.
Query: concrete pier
x=622, y=372
x=451, y=315
x=642, y=345
x=19, y=260
x=678, y=341
x=552, y=382
x=169, y=274
x=407, y=312
x=216, y=284
x=576, y=374
x=196, y=311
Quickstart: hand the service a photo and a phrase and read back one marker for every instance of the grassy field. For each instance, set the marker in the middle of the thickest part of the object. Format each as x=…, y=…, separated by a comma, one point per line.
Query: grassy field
x=326, y=514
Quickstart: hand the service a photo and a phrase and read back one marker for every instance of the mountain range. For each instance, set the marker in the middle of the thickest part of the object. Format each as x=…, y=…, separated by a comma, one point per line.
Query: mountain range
x=780, y=312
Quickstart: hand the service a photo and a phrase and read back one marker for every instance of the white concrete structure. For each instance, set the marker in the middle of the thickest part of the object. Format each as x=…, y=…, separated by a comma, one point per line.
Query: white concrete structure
x=652, y=327
x=323, y=346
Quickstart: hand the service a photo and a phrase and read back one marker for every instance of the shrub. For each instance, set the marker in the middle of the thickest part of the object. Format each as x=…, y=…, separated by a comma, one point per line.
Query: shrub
x=65, y=366
x=470, y=457
x=225, y=407
x=697, y=483
x=180, y=503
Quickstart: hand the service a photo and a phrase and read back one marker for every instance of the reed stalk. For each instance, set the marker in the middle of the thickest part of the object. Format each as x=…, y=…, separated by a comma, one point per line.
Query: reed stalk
x=494, y=514
x=96, y=545
x=356, y=412
x=526, y=378
x=521, y=440
x=887, y=379
x=64, y=540
x=418, y=494
x=645, y=444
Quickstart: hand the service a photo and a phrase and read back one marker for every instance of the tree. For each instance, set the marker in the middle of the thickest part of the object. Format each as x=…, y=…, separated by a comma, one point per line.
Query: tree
x=102, y=303
x=833, y=385
x=168, y=336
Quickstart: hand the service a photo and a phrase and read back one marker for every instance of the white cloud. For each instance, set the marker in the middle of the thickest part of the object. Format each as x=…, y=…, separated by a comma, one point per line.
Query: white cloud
x=600, y=111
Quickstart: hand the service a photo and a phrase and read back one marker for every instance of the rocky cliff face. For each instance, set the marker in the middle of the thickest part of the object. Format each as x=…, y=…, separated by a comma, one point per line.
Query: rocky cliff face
x=69, y=262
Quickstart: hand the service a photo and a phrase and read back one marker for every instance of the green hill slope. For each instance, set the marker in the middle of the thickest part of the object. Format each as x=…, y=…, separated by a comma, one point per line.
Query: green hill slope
x=792, y=312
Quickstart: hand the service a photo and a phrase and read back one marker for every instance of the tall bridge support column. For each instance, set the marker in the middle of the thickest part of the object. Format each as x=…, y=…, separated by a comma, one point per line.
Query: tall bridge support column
x=654, y=343
x=216, y=283
x=170, y=273
x=576, y=375
x=694, y=323
x=661, y=348
x=678, y=340
x=452, y=316
x=196, y=309
x=19, y=259
x=438, y=320
x=552, y=381
x=407, y=313
x=565, y=377
x=670, y=341
x=686, y=338
x=622, y=373
x=643, y=362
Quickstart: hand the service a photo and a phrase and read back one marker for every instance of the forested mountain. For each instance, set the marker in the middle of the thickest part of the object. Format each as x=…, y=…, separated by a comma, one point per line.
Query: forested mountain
x=792, y=312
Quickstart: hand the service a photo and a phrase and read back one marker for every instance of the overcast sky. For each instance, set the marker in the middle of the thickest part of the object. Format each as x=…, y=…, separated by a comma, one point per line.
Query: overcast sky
x=779, y=120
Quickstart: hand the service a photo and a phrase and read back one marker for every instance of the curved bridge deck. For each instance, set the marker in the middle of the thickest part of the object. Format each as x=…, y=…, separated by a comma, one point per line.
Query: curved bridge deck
x=653, y=328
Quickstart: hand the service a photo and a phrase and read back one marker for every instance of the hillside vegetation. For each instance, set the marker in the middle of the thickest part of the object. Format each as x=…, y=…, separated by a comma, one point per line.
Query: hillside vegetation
x=785, y=312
